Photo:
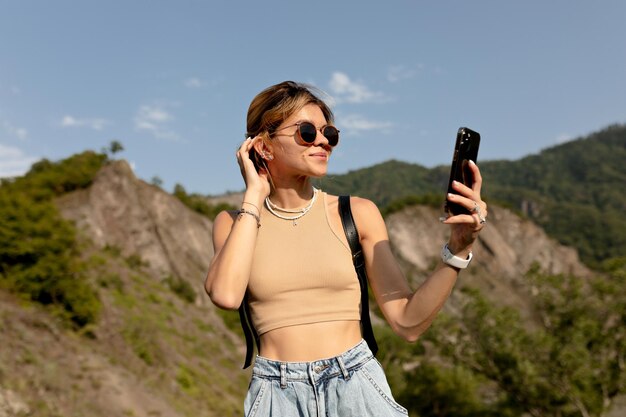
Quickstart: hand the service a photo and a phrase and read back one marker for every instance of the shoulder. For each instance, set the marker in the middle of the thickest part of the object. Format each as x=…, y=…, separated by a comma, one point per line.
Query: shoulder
x=367, y=217
x=357, y=204
x=222, y=225
x=364, y=211
x=224, y=220
x=226, y=216
x=363, y=207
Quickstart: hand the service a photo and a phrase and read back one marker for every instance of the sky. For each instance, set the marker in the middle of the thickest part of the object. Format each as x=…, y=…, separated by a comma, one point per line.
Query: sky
x=172, y=80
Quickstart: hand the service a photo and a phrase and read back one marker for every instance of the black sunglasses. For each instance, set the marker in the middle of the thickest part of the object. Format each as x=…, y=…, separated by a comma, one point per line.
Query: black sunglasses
x=308, y=132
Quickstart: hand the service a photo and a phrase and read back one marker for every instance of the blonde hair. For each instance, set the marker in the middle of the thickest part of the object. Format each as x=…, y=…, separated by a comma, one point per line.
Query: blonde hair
x=276, y=103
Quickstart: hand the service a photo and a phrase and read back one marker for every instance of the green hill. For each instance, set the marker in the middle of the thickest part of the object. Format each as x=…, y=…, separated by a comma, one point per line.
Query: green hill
x=573, y=190
x=124, y=339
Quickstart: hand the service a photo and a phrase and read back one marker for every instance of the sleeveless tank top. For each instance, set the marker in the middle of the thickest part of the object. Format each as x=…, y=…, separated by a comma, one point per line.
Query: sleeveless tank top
x=301, y=274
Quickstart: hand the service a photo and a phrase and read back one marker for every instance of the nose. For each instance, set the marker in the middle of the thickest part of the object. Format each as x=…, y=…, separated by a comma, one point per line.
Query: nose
x=320, y=139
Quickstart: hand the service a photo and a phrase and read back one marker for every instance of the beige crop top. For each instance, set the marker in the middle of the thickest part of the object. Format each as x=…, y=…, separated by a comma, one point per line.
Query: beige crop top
x=301, y=274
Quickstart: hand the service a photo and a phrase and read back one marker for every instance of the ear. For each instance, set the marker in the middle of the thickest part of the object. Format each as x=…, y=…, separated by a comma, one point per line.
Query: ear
x=263, y=146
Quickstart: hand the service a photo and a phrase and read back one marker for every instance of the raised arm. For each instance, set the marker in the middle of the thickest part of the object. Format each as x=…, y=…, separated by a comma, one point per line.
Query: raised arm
x=234, y=238
x=409, y=312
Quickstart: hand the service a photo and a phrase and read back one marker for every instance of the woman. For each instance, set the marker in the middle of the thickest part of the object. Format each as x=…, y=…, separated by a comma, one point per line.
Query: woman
x=286, y=254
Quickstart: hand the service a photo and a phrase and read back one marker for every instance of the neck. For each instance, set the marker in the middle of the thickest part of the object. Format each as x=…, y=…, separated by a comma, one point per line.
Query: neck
x=293, y=196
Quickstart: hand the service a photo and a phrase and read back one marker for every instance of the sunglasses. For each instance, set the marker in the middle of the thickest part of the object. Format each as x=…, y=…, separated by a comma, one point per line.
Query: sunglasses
x=308, y=132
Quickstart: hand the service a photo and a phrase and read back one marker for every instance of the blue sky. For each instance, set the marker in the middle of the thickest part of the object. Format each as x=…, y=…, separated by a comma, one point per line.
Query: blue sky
x=172, y=80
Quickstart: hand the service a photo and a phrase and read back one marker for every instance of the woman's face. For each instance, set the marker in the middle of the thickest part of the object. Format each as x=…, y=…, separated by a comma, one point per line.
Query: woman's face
x=292, y=156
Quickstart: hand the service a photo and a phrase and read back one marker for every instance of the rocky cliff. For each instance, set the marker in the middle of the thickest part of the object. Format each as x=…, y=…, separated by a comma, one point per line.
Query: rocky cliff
x=506, y=249
x=155, y=354
x=121, y=211
x=159, y=347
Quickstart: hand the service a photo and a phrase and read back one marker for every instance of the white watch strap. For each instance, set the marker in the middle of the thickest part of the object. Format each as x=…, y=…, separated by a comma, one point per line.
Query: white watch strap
x=448, y=258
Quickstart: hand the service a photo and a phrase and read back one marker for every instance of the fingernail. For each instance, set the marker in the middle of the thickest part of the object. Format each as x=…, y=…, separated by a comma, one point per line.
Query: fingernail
x=455, y=182
x=450, y=195
x=442, y=219
x=472, y=162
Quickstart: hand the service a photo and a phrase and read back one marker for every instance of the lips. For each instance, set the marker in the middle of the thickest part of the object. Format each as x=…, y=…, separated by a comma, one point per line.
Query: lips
x=319, y=155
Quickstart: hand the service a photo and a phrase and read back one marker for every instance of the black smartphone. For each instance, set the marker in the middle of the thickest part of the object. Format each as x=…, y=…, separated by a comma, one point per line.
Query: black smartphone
x=465, y=150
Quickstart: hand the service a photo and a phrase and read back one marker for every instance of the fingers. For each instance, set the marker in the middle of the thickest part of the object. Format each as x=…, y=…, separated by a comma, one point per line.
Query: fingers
x=474, y=191
x=467, y=222
x=477, y=209
x=466, y=202
x=470, y=197
x=476, y=206
x=478, y=179
x=246, y=165
x=460, y=219
x=243, y=152
x=245, y=147
x=466, y=227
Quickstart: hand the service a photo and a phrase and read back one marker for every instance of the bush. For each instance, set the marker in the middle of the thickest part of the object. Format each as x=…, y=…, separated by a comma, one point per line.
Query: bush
x=38, y=252
x=38, y=258
x=570, y=364
x=431, y=200
x=181, y=288
x=49, y=179
x=198, y=203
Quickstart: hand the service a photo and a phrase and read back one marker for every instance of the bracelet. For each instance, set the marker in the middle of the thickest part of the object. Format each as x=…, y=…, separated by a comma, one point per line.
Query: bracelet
x=241, y=212
x=257, y=209
x=450, y=259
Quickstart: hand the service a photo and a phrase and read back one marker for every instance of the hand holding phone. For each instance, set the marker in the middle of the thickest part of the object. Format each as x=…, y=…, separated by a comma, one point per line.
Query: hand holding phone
x=465, y=150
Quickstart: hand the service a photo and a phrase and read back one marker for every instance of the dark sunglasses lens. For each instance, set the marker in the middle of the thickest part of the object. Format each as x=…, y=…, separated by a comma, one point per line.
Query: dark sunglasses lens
x=307, y=132
x=332, y=134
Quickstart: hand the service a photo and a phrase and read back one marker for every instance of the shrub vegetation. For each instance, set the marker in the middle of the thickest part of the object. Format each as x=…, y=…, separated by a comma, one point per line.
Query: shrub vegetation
x=39, y=257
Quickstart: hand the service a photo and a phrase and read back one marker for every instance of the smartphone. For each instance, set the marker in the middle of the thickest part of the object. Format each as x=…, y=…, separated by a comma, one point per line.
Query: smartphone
x=465, y=149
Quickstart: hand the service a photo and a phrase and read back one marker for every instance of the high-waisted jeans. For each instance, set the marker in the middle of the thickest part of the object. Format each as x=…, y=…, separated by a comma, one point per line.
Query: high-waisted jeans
x=352, y=384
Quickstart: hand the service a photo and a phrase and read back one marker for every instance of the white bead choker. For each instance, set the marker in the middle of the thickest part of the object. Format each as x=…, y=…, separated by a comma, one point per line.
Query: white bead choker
x=273, y=208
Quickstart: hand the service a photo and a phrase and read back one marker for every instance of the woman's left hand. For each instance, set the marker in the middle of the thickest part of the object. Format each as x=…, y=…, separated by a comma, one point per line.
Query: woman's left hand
x=465, y=227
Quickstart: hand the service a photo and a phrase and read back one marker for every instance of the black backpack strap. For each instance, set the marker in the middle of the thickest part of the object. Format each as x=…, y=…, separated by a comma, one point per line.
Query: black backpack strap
x=248, y=331
x=359, y=265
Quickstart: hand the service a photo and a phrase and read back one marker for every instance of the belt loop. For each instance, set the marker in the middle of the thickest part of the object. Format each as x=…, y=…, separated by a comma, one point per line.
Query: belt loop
x=345, y=373
x=283, y=375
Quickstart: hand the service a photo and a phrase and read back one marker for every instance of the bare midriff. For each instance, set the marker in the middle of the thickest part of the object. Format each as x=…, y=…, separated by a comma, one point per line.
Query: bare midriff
x=310, y=342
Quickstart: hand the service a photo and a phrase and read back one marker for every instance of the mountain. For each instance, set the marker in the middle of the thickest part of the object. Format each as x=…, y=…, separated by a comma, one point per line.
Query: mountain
x=158, y=346
x=153, y=352
x=148, y=341
x=573, y=190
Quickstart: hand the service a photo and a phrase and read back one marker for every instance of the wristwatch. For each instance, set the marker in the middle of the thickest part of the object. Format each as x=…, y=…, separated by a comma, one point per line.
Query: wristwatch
x=448, y=258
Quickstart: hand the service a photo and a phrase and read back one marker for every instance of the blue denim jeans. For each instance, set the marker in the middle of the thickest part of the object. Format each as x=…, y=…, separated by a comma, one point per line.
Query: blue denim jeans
x=352, y=384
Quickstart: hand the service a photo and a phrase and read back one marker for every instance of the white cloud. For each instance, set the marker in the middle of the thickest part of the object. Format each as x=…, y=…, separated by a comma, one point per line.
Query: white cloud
x=402, y=72
x=194, y=82
x=153, y=118
x=355, y=123
x=18, y=132
x=349, y=91
x=94, y=123
x=13, y=162
x=563, y=137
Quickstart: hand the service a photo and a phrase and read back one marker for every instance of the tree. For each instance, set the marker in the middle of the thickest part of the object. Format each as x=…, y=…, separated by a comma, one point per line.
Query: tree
x=115, y=147
x=571, y=363
x=156, y=181
x=39, y=257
